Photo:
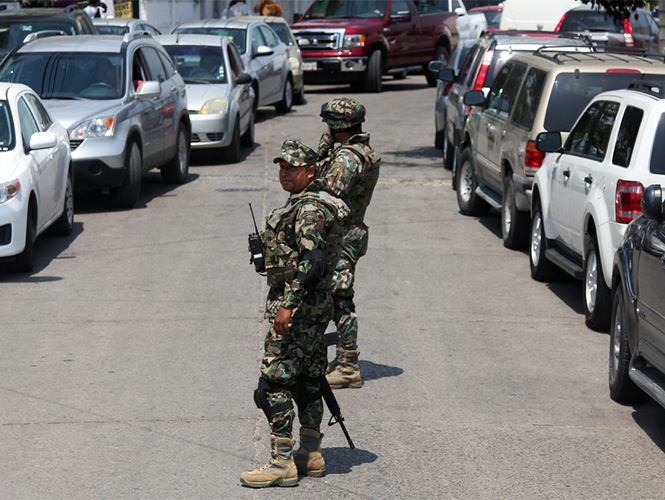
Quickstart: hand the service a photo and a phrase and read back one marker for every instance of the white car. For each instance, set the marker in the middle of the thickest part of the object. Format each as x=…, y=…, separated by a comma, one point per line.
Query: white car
x=587, y=191
x=36, y=178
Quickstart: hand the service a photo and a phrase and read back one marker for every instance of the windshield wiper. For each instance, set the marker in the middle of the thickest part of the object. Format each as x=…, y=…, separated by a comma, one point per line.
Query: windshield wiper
x=65, y=98
x=191, y=80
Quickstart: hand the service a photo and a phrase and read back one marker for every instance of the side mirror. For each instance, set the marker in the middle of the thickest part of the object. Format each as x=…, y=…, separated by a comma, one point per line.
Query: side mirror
x=652, y=202
x=460, y=11
x=435, y=66
x=262, y=50
x=474, y=98
x=402, y=16
x=548, y=142
x=149, y=89
x=243, y=78
x=43, y=140
x=447, y=75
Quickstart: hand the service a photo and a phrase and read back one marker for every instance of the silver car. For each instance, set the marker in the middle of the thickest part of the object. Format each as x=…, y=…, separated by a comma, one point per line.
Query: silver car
x=283, y=30
x=122, y=102
x=122, y=25
x=265, y=56
x=220, y=97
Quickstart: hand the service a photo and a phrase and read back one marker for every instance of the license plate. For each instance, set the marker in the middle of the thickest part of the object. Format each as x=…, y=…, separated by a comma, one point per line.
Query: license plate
x=309, y=66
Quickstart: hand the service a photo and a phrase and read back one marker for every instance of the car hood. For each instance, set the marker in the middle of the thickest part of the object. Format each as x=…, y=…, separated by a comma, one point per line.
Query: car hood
x=73, y=112
x=10, y=165
x=198, y=94
x=358, y=25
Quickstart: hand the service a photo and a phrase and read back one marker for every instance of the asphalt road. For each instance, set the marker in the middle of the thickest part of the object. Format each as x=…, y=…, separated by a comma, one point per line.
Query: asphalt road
x=130, y=355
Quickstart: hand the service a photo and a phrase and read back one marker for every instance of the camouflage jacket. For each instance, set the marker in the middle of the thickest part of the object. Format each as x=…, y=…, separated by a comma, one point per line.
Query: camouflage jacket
x=309, y=220
x=350, y=172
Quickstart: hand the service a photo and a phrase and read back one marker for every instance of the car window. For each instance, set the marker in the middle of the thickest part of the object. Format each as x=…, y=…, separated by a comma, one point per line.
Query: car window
x=601, y=134
x=150, y=29
x=455, y=4
x=653, y=25
x=238, y=35
x=657, y=165
x=510, y=89
x=527, y=101
x=270, y=38
x=234, y=61
x=347, y=9
x=139, y=70
x=257, y=40
x=283, y=32
x=429, y=6
x=199, y=63
x=399, y=6
x=6, y=128
x=579, y=136
x=630, y=126
x=43, y=118
x=155, y=67
x=590, y=20
x=168, y=64
x=28, y=123
x=112, y=30
x=467, y=64
x=14, y=32
x=639, y=23
x=494, y=96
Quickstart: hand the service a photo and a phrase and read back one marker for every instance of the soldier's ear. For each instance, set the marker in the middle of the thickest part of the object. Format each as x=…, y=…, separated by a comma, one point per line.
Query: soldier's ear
x=311, y=171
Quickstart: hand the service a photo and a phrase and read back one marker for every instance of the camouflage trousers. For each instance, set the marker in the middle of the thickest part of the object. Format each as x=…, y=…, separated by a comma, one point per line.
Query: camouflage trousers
x=356, y=239
x=293, y=362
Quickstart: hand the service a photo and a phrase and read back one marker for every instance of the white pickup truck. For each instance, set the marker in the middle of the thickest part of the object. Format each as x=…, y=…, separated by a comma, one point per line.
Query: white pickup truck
x=471, y=25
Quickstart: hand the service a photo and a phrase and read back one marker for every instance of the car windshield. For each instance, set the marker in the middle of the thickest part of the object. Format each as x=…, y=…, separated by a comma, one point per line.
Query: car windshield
x=571, y=94
x=283, y=32
x=198, y=64
x=112, y=30
x=346, y=9
x=67, y=75
x=590, y=20
x=238, y=35
x=6, y=128
x=14, y=32
x=493, y=18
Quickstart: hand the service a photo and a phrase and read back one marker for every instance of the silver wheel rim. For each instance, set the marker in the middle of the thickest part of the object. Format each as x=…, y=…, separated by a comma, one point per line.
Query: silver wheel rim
x=69, y=203
x=591, y=281
x=507, y=209
x=466, y=182
x=616, y=344
x=288, y=94
x=536, y=239
x=182, y=153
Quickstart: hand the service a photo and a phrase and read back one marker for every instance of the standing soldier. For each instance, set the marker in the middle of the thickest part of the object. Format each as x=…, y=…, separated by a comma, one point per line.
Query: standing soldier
x=349, y=172
x=302, y=244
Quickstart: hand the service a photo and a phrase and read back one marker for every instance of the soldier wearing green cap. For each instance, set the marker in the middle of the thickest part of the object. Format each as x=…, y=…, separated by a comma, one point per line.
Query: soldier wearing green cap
x=349, y=172
x=302, y=243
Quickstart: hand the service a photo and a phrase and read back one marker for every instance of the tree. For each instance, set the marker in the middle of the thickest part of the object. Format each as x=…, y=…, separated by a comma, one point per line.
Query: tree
x=619, y=9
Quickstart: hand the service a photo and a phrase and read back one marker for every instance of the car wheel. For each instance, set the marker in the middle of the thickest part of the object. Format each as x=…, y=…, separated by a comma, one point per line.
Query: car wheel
x=541, y=268
x=448, y=155
x=622, y=388
x=299, y=97
x=127, y=194
x=514, y=222
x=231, y=153
x=440, y=54
x=177, y=169
x=284, y=106
x=439, y=137
x=25, y=261
x=65, y=223
x=247, y=139
x=467, y=199
x=374, y=73
x=597, y=305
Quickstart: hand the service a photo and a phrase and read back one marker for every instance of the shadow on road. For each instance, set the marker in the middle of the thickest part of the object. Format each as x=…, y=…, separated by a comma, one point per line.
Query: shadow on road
x=649, y=415
x=374, y=371
x=342, y=460
x=389, y=85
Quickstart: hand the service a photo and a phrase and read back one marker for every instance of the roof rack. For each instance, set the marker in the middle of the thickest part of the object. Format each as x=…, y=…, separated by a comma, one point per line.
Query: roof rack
x=653, y=88
x=133, y=35
x=43, y=34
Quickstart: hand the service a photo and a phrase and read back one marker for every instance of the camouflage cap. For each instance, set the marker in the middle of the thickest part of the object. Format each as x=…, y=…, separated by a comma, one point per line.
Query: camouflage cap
x=342, y=113
x=297, y=154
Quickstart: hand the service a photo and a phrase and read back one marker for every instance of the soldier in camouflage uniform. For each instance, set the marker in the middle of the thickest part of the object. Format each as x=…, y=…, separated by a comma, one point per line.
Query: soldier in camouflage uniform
x=350, y=172
x=302, y=243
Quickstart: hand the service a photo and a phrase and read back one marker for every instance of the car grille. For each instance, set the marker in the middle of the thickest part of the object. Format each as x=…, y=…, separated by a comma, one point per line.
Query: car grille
x=215, y=137
x=319, y=41
x=196, y=138
x=74, y=144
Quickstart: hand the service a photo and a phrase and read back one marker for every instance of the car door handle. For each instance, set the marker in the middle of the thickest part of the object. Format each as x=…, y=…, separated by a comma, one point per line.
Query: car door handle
x=588, y=179
x=566, y=173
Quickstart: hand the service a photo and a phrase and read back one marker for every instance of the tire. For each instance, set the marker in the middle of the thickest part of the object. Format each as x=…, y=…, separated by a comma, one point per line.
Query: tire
x=439, y=138
x=440, y=54
x=299, y=97
x=448, y=155
x=25, y=261
x=541, y=269
x=65, y=223
x=467, y=199
x=231, y=153
x=374, y=73
x=284, y=106
x=597, y=302
x=514, y=223
x=177, y=169
x=622, y=388
x=247, y=139
x=127, y=194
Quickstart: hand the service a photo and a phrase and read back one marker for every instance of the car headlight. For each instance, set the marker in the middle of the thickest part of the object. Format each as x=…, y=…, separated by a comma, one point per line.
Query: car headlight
x=295, y=63
x=217, y=106
x=97, y=127
x=8, y=190
x=353, y=41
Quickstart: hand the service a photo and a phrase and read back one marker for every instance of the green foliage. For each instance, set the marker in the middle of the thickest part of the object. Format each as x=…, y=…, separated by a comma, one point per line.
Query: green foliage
x=619, y=9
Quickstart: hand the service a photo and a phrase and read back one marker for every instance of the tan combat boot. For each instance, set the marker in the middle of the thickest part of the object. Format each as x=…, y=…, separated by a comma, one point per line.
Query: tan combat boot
x=346, y=373
x=279, y=471
x=309, y=459
x=335, y=362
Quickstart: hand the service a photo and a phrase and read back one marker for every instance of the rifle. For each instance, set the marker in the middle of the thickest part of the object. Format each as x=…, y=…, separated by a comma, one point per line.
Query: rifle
x=335, y=413
x=256, y=247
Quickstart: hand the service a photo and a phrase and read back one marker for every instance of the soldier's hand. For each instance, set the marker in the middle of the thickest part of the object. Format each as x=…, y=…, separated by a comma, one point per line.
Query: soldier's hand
x=281, y=322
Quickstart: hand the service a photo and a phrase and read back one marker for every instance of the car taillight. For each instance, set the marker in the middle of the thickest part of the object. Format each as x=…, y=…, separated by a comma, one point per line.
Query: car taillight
x=558, y=26
x=628, y=34
x=482, y=72
x=533, y=159
x=628, y=197
x=624, y=70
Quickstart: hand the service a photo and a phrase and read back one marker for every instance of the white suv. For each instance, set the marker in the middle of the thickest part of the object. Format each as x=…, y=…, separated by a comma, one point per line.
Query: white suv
x=587, y=191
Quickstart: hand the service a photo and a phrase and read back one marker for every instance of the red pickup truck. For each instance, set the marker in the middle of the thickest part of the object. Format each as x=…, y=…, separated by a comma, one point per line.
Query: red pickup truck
x=359, y=41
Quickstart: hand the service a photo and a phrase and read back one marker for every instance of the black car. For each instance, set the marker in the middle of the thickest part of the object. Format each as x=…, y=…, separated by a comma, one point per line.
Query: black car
x=17, y=24
x=637, y=335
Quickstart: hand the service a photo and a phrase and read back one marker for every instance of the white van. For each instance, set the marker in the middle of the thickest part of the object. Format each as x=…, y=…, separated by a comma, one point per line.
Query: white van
x=534, y=15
